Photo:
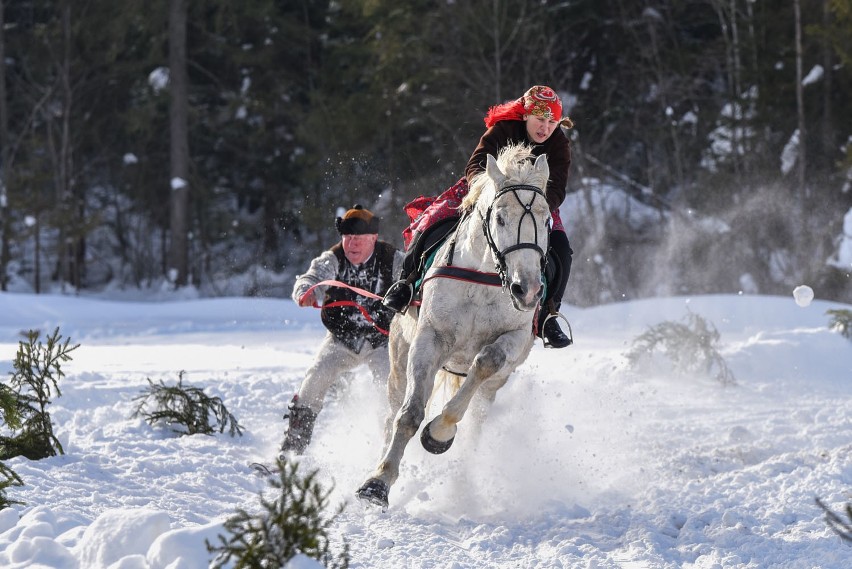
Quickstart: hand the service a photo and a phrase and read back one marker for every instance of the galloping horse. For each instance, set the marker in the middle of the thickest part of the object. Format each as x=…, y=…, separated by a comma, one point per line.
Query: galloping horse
x=466, y=323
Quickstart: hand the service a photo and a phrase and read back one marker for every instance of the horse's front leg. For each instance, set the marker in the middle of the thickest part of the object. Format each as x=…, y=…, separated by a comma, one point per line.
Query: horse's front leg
x=494, y=361
x=424, y=356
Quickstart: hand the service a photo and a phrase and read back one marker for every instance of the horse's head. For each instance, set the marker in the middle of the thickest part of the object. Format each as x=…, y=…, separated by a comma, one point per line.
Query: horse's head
x=509, y=196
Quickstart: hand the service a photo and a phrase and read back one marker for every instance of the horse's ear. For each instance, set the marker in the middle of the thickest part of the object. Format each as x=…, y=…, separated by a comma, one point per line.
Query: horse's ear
x=493, y=171
x=542, y=167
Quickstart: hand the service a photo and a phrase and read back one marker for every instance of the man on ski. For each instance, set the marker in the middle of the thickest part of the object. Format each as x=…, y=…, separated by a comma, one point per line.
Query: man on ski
x=357, y=325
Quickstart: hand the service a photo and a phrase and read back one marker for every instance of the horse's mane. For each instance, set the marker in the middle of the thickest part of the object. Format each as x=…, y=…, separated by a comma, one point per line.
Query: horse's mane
x=514, y=161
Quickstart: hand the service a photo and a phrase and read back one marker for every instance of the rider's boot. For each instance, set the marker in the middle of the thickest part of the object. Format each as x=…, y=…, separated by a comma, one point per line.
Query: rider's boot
x=401, y=293
x=300, y=427
x=399, y=296
x=553, y=335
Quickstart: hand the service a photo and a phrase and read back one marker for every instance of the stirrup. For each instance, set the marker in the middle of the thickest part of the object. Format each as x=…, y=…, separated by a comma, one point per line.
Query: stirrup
x=570, y=333
x=399, y=296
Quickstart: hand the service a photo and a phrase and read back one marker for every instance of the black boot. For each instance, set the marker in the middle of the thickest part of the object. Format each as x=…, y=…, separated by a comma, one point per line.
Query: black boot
x=399, y=296
x=300, y=427
x=553, y=335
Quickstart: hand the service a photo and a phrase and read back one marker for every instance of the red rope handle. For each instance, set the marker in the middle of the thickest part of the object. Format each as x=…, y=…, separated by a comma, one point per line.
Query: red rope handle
x=339, y=303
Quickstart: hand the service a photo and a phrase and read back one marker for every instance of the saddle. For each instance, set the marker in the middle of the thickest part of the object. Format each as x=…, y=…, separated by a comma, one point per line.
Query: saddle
x=426, y=245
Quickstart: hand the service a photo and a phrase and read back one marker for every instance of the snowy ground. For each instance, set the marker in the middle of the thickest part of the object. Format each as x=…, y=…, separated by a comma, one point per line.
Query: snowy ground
x=581, y=463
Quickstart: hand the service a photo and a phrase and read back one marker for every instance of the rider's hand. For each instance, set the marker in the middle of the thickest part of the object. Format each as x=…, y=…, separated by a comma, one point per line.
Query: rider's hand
x=307, y=300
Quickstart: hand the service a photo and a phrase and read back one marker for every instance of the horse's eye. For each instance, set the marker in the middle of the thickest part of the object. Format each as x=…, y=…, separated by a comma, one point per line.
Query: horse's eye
x=500, y=221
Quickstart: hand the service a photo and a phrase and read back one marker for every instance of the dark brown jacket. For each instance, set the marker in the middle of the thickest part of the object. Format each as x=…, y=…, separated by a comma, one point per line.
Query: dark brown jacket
x=557, y=148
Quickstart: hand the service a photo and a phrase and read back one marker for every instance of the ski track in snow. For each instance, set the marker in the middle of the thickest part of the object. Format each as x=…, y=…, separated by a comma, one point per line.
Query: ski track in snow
x=581, y=462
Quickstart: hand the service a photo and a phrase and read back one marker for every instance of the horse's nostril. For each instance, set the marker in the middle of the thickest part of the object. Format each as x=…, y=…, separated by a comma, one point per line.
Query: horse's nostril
x=517, y=290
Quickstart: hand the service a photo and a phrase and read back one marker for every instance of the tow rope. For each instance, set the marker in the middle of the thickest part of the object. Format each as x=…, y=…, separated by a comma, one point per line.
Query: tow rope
x=339, y=303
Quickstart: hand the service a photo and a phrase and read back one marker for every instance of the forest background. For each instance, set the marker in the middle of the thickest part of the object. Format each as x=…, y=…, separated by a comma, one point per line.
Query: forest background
x=210, y=144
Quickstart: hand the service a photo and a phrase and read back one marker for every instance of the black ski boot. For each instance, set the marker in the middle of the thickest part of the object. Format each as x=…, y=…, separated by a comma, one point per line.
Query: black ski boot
x=553, y=335
x=300, y=427
x=399, y=296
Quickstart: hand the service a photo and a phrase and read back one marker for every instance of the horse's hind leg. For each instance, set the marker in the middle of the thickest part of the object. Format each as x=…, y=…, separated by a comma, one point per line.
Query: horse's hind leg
x=398, y=354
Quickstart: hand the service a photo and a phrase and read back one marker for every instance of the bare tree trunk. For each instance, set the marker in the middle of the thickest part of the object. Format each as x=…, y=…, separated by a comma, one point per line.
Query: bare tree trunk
x=827, y=87
x=69, y=240
x=800, y=102
x=37, y=268
x=727, y=14
x=5, y=234
x=498, y=52
x=804, y=248
x=179, y=133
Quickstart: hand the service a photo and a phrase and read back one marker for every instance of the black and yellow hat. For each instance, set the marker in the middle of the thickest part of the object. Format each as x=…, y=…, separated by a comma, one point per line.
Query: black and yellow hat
x=357, y=221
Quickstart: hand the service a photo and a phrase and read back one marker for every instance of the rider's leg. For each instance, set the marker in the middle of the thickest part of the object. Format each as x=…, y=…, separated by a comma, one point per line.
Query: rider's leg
x=332, y=360
x=550, y=330
x=441, y=212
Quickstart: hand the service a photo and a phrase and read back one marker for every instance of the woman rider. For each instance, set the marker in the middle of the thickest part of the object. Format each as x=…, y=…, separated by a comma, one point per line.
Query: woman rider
x=533, y=119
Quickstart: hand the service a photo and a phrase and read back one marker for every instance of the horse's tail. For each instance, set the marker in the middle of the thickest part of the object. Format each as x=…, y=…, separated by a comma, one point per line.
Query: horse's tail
x=447, y=384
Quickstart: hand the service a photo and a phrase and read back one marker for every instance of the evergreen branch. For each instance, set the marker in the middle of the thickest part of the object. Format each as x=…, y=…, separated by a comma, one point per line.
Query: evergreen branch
x=841, y=321
x=840, y=526
x=293, y=523
x=11, y=478
x=690, y=346
x=33, y=383
x=185, y=406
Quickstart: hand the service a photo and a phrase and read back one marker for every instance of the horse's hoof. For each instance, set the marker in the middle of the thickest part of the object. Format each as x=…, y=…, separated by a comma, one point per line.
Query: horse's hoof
x=433, y=446
x=375, y=492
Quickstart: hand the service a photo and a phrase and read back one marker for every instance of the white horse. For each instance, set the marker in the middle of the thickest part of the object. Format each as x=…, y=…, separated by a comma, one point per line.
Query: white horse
x=467, y=324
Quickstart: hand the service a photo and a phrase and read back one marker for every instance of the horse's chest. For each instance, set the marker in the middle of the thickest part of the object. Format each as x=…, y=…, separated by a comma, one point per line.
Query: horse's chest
x=470, y=325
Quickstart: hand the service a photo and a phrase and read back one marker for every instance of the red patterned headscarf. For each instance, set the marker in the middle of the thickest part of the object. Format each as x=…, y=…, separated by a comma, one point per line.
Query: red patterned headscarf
x=538, y=101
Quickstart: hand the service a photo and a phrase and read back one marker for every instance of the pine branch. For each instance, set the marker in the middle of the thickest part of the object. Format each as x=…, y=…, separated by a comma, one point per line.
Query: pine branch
x=11, y=478
x=841, y=320
x=185, y=406
x=690, y=346
x=292, y=523
x=840, y=526
x=34, y=383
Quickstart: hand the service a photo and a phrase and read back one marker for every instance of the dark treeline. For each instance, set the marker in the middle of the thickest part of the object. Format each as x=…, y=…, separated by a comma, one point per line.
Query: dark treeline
x=729, y=120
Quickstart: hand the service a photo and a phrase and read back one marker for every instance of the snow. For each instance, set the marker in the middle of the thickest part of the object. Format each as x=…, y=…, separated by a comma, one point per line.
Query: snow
x=158, y=79
x=813, y=76
x=843, y=259
x=803, y=295
x=608, y=200
x=790, y=153
x=582, y=461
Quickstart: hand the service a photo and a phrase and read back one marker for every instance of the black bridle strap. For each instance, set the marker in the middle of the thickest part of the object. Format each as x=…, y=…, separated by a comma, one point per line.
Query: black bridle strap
x=527, y=209
x=489, y=279
x=462, y=274
x=500, y=256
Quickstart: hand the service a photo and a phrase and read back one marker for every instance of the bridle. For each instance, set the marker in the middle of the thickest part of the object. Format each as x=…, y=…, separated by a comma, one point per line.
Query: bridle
x=501, y=277
x=500, y=255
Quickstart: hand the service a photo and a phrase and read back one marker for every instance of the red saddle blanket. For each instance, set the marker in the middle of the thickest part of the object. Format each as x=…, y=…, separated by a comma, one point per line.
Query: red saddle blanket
x=425, y=211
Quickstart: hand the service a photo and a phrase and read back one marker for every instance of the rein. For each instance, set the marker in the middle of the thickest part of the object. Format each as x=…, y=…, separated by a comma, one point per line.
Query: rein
x=450, y=271
x=340, y=303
